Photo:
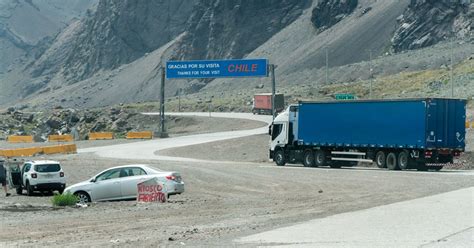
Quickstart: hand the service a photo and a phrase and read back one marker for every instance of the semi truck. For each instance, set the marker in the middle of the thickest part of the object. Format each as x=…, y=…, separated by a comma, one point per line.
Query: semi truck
x=262, y=103
x=400, y=134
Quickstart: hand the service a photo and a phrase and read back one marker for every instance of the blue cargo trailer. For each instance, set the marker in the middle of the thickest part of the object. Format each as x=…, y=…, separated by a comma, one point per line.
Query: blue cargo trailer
x=395, y=134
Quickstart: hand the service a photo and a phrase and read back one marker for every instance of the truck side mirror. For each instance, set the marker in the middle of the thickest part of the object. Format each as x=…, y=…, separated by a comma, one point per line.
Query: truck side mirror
x=270, y=130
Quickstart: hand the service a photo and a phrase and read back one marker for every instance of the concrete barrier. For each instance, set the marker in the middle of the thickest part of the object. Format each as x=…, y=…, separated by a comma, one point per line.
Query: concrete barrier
x=101, y=136
x=20, y=139
x=32, y=151
x=140, y=135
x=60, y=149
x=60, y=138
x=21, y=152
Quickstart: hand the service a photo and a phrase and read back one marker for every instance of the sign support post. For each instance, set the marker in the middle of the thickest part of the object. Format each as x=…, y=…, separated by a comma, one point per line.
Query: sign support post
x=272, y=70
x=162, y=104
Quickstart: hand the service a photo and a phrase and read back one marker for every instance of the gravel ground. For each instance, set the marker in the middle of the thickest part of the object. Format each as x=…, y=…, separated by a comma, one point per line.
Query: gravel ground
x=223, y=200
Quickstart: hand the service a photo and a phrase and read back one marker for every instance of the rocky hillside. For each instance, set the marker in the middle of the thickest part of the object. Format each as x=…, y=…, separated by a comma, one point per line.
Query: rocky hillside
x=427, y=22
x=113, y=54
x=328, y=13
x=234, y=28
x=29, y=24
x=119, y=32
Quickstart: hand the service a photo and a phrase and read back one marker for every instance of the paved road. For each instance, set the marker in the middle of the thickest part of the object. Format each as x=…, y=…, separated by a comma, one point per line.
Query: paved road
x=444, y=220
x=148, y=149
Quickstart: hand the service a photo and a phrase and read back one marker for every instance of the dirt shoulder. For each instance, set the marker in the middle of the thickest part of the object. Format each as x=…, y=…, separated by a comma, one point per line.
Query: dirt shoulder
x=222, y=201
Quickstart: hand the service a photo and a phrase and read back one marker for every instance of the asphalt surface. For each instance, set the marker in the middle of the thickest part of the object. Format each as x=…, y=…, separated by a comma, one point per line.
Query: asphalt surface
x=149, y=149
x=433, y=221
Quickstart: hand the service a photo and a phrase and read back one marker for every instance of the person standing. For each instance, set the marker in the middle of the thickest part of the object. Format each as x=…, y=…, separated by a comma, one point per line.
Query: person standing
x=3, y=177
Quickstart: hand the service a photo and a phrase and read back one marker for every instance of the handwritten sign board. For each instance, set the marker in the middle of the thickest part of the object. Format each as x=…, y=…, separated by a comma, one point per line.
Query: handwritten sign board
x=151, y=190
x=217, y=68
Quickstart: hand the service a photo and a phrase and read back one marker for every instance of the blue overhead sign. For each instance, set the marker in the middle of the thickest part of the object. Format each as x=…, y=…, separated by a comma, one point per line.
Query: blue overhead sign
x=217, y=68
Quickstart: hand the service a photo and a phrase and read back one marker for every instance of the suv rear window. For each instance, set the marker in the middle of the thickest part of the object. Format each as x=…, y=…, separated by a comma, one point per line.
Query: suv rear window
x=47, y=167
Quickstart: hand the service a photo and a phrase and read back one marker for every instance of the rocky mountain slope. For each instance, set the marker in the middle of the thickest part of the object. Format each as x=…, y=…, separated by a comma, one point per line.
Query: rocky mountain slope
x=234, y=28
x=119, y=32
x=426, y=22
x=29, y=24
x=113, y=55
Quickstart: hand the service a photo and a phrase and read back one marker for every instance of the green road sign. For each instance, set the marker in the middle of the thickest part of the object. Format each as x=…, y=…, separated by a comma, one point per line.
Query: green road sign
x=344, y=97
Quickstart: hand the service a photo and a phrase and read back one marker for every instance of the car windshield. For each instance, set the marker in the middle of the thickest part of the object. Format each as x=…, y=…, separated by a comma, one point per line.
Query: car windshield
x=47, y=167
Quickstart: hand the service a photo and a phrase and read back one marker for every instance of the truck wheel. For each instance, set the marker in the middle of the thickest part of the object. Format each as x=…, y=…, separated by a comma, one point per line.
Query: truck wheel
x=308, y=158
x=403, y=160
x=280, y=159
x=19, y=190
x=29, y=190
x=319, y=158
x=380, y=159
x=392, y=161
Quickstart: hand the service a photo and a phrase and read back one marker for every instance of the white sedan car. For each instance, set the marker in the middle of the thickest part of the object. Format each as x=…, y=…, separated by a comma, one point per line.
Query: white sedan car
x=120, y=183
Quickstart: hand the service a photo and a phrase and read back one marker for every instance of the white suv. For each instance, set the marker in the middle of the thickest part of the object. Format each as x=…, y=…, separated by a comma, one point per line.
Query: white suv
x=42, y=176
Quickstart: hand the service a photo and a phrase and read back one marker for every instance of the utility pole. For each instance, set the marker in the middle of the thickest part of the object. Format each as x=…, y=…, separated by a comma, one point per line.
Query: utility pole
x=272, y=70
x=327, y=66
x=452, y=68
x=179, y=99
x=370, y=74
x=162, y=104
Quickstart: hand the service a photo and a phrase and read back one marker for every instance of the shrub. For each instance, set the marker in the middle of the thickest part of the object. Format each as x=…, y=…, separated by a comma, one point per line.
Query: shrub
x=67, y=199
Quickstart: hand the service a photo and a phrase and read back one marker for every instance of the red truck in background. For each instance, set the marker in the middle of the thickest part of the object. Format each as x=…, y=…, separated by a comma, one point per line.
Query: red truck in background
x=262, y=103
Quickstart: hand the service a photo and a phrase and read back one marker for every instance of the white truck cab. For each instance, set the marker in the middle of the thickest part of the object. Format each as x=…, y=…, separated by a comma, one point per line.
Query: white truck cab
x=279, y=131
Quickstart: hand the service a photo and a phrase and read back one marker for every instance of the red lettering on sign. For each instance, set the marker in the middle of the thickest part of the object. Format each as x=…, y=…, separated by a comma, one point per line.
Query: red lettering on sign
x=152, y=197
x=242, y=68
x=254, y=67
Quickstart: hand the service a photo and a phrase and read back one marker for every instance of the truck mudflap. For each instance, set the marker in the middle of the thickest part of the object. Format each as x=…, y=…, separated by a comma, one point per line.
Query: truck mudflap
x=270, y=154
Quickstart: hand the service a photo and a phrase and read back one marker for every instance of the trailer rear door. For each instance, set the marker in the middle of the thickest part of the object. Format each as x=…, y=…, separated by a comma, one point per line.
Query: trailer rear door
x=445, y=123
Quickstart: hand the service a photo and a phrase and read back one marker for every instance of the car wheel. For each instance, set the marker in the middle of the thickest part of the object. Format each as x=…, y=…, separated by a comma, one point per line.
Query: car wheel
x=280, y=159
x=19, y=190
x=403, y=160
x=82, y=197
x=308, y=158
x=319, y=158
x=29, y=190
x=380, y=159
x=392, y=161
